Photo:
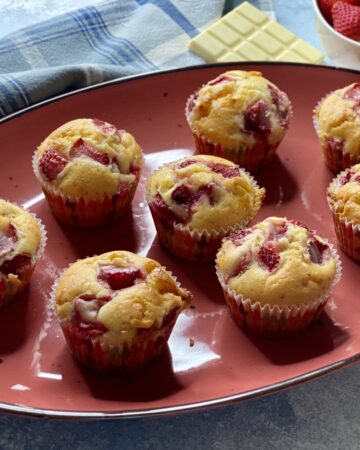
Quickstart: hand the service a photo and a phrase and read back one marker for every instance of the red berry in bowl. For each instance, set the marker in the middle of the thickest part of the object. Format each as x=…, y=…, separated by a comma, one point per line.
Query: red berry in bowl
x=346, y=19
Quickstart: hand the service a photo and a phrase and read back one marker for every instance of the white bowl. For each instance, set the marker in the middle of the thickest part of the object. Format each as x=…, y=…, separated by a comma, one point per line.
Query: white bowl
x=343, y=52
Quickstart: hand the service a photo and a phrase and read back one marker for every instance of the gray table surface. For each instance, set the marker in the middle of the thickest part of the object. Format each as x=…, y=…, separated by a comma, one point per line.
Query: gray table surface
x=322, y=414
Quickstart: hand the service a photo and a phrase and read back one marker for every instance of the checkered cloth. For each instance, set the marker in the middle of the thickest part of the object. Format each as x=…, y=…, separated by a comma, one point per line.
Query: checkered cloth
x=98, y=43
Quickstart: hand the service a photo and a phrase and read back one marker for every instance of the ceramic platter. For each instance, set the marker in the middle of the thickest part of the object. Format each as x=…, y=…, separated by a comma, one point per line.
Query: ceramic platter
x=38, y=374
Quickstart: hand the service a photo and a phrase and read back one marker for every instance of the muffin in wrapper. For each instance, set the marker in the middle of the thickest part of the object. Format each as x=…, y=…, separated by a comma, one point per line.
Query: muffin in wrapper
x=337, y=123
x=343, y=196
x=89, y=171
x=22, y=243
x=239, y=116
x=198, y=200
x=276, y=276
x=117, y=310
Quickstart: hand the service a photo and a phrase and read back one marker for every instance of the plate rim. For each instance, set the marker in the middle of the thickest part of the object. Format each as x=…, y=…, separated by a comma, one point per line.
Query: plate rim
x=125, y=79
x=19, y=409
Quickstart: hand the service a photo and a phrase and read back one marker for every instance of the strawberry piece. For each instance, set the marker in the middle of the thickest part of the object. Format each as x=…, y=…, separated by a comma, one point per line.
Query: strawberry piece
x=240, y=267
x=281, y=104
x=191, y=103
x=225, y=171
x=268, y=256
x=119, y=277
x=8, y=240
x=51, y=164
x=186, y=163
x=16, y=265
x=346, y=19
x=80, y=147
x=353, y=94
x=163, y=212
x=316, y=250
x=206, y=189
x=237, y=236
x=107, y=128
x=345, y=179
x=219, y=79
x=182, y=195
x=256, y=120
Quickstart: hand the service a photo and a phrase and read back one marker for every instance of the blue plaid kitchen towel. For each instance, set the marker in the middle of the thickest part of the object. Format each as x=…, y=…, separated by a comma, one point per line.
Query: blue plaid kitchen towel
x=98, y=43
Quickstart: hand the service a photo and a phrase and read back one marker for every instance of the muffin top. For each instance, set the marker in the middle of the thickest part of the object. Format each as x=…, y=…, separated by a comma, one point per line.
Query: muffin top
x=87, y=158
x=344, y=195
x=203, y=193
x=338, y=119
x=118, y=293
x=239, y=107
x=277, y=262
x=20, y=236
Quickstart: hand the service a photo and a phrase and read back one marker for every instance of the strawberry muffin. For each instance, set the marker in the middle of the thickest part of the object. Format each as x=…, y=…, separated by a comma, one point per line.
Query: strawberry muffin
x=343, y=196
x=198, y=200
x=117, y=310
x=337, y=123
x=22, y=241
x=276, y=276
x=240, y=116
x=89, y=171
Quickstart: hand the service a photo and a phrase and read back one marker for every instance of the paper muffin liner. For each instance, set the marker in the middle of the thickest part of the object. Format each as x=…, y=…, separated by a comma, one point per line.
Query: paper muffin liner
x=11, y=286
x=276, y=320
x=251, y=157
x=347, y=231
x=126, y=358
x=86, y=213
x=335, y=158
x=194, y=244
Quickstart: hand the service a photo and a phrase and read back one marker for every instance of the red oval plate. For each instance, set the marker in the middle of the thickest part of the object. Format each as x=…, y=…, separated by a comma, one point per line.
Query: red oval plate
x=39, y=375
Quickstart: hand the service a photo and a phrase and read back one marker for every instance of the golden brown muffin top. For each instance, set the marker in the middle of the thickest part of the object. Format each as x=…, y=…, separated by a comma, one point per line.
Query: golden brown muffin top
x=239, y=107
x=203, y=192
x=87, y=158
x=337, y=118
x=277, y=262
x=119, y=291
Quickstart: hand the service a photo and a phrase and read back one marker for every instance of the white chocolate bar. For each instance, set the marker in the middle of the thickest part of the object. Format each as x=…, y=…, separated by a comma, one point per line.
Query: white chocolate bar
x=247, y=34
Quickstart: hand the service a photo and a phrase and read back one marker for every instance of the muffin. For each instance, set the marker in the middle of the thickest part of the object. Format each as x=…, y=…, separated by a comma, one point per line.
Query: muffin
x=240, y=116
x=89, y=171
x=22, y=241
x=198, y=200
x=117, y=310
x=276, y=276
x=337, y=123
x=343, y=195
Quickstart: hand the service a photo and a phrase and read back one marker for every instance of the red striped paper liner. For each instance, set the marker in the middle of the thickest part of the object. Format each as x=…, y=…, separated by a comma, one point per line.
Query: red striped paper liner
x=251, y=158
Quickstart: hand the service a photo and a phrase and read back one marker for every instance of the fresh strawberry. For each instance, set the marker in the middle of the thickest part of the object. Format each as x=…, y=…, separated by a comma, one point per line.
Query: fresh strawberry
x=346, y=19
x=51, y=164
x=326, y=6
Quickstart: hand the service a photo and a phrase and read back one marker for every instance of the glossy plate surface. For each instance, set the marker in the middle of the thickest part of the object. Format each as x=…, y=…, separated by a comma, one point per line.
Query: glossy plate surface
x=38, y=374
